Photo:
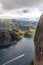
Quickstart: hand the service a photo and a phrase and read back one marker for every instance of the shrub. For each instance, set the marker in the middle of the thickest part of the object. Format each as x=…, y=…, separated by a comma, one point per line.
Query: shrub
x=32, y=63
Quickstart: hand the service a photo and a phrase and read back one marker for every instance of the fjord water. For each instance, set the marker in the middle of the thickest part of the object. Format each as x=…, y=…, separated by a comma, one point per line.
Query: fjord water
x=24, y=46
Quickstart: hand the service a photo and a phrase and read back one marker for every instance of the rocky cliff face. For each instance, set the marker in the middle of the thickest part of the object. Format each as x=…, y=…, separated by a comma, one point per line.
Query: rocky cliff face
x=7, y=37
x=4, y=38
x=39, y=29
x=38, y=41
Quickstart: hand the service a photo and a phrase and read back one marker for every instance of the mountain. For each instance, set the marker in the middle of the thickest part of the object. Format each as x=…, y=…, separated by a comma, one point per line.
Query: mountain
x=22, y=22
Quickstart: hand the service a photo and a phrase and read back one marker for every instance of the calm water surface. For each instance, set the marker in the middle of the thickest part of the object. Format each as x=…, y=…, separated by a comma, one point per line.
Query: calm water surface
x=24, y=46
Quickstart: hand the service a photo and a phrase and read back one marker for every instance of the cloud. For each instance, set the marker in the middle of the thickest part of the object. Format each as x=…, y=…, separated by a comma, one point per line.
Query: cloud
x=31, y=9
x=1, y=6
x=29, y=13
x=12, y=4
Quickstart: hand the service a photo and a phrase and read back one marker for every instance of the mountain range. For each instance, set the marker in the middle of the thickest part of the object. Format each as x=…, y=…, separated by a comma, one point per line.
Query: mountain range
x=14, y=22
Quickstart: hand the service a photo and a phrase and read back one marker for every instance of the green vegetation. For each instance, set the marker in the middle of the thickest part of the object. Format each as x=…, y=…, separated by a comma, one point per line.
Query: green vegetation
x=11, y=35
x=32, y=63
x=29, y=33
x=15, y=30
x=25, y=33
x=27, y=28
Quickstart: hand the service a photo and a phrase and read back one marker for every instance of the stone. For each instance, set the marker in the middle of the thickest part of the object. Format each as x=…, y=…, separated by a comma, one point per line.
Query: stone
x=4, y=38
x=38, y=41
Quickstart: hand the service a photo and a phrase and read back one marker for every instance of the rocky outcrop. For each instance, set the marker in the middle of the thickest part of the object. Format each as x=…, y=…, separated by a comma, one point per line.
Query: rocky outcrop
x=39, y=29
x=7, y=37
x=4, y=37
x=38, y=41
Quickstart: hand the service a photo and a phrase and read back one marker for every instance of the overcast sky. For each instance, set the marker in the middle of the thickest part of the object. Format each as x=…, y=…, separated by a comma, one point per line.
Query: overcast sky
x=11, y=4
x=18, y=8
